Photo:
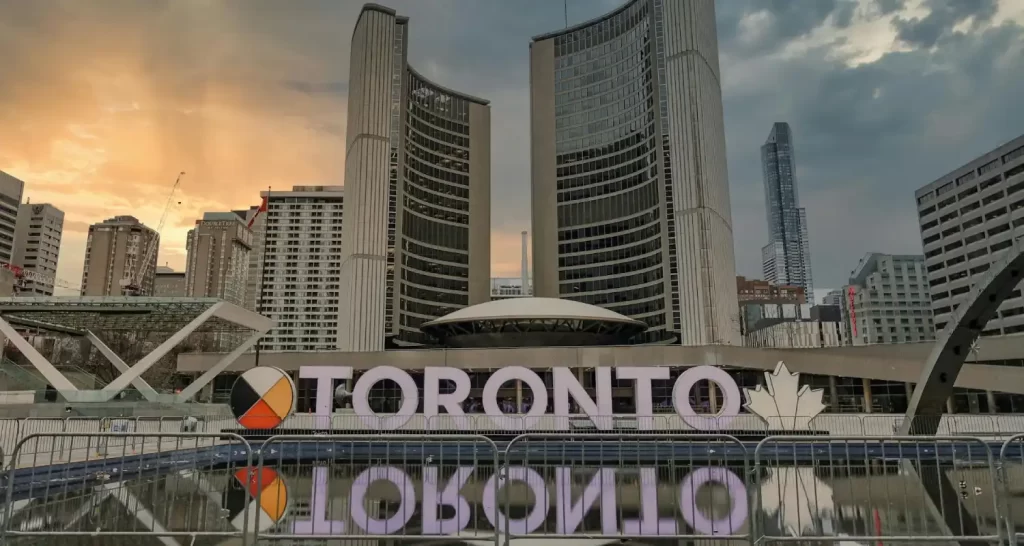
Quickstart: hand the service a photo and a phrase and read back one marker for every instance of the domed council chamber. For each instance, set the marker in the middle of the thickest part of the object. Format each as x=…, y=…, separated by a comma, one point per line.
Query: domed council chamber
x=533, y=322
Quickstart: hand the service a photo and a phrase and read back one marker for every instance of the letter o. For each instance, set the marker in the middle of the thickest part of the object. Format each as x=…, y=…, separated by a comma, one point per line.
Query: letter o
x=407, y=500
x=737, y=496
x=512, y=373
x=537, y=515
x=730, y=397
x=361, y=403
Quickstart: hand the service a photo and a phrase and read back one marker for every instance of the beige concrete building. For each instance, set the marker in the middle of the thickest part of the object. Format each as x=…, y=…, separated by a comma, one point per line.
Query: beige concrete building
x=416, y=242
x=218, y=258
x=294, y=274
x=11, y=190
x=630, y=191
x=168, y=283
x=37, y=246
x=969, y=219
x=115, y=251
x=888, y=301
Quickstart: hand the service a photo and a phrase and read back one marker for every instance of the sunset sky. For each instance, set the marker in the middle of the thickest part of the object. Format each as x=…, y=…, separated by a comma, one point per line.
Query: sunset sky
x=103, y=102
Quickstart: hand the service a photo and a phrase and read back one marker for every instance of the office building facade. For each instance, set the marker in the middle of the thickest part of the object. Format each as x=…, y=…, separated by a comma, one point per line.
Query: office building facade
x=759, y=290
x=416, y=243
x=11, y=191
x=168, y=283
x=834, y=297
x=786, y=259
x=116, y=253
x=630, y=192
x=509, y=287
x=37, y=246
x=217, y=264
x=294, y=274
x=969, y=218
x=887, y=301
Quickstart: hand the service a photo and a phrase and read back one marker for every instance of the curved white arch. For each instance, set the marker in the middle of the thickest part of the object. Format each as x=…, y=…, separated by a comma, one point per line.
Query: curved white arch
x=940, y=371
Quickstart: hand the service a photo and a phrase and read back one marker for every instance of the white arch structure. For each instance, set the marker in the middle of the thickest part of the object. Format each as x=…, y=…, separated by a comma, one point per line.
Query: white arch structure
x=940, y=371
x=938, y=377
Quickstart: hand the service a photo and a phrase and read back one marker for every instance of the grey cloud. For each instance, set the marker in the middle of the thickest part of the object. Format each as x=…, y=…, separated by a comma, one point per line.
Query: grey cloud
x=844, y=14
x=943, y=16
x=866, y=137
x=787, y=20
x=886, y=7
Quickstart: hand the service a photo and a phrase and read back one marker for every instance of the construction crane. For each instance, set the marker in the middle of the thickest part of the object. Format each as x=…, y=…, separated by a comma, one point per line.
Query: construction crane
x=21, y=276
x=131, y=285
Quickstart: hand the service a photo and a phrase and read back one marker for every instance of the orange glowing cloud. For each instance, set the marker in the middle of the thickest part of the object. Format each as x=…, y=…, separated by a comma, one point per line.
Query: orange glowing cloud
x=112, y=100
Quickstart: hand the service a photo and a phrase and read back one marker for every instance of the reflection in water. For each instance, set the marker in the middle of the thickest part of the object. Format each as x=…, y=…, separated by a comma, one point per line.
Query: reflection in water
x=798, y=502
x=653, y=503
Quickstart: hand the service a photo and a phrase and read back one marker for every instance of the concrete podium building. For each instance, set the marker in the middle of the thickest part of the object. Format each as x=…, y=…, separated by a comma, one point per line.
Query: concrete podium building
x=416, y=231
x=969, y=219
x=630, y=191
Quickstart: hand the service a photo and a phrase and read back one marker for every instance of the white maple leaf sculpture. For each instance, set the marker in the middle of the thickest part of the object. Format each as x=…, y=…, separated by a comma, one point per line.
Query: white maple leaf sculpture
x=782, y=403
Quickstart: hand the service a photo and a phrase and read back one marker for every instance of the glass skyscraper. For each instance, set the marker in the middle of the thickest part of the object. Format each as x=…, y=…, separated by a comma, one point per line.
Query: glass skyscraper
x=786, y=259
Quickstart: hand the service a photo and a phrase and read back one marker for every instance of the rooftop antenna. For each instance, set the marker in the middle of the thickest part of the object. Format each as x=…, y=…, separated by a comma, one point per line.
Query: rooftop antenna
x=565, y=7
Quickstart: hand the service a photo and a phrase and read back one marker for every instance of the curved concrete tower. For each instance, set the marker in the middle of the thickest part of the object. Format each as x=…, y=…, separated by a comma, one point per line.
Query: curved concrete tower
x=630, y=192
x=416, y=229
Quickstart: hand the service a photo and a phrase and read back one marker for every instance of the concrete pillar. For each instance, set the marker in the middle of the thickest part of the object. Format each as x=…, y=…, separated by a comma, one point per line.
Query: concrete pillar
x=713, y=395
x=991, y=396
x=519, y=396
x=974, y=402
x=833, y=392
x=950, y=408
x=867, y=395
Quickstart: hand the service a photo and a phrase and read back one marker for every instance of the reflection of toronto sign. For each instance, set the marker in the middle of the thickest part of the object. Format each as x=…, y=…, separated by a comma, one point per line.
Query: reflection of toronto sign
x=783, y=398
x=600, y=492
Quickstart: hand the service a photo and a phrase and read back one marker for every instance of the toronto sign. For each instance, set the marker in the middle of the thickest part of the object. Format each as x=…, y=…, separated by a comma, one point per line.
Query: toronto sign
x=783, y=397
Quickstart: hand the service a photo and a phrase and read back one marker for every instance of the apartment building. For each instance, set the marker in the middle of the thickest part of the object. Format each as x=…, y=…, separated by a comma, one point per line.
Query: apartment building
x=115, y=252
x=294, y=274
x=969, y=219
x=888, y=301
x=11, y=191
x=218, y=257
x=37, y=246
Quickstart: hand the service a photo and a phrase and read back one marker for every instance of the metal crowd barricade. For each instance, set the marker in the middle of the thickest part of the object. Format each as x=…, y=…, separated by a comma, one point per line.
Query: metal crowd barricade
x=815, y=489
x=367, y=482
x=48, y=496
x=622, y=474
x=1011, y=474
x=10, y=431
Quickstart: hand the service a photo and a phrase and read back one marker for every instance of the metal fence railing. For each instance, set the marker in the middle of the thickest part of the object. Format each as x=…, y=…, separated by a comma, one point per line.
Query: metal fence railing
x=121, y=487
x=124, y=484
x=387, y=477
x=994, y=426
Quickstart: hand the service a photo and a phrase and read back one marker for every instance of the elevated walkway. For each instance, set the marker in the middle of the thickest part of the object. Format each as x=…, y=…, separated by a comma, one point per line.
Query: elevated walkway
x=81, y=316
